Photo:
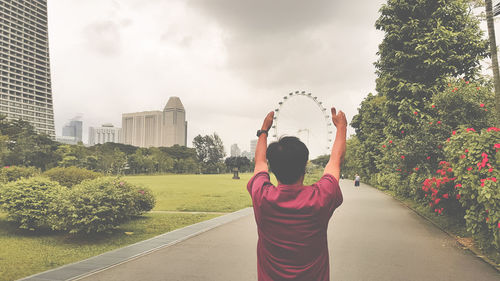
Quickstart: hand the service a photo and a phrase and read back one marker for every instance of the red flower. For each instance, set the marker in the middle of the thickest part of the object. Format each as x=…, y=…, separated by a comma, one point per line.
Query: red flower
x=383, y=145
x=430, y=123
x=470, y=168
x=454, y=132
x=416, y=113
x=481, y=105
x=439, y=146
x=470, y=130
x=477, y=88
x=487, y=219
x=493, y=129
x=437, y=201
x=416, y=168
x=490, y=170
x=458, y=196
x=402, y=132
x=390, y=141
x=448, y=139
x=446, y=196
x=428, y=157
x=496, y=145
x=433, y=106
x=402, y=157
x=499, y=225
x=438, y=122
x=466, y=150
x=463, y=156
x=466, y=82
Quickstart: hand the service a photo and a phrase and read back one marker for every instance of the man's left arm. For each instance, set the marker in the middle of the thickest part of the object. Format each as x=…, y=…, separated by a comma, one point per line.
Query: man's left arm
x=260, y=150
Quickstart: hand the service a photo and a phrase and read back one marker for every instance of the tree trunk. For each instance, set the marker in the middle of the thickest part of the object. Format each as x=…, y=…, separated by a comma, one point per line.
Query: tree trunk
x=494, y=57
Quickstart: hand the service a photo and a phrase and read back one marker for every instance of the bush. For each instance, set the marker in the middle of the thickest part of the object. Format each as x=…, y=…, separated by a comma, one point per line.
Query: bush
x=13, y=173
x=71, y=176
x=32, y=202
x=475, y=161
x=101, y=204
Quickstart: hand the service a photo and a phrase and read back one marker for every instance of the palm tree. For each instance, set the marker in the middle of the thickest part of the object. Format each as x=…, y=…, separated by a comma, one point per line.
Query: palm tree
x=494, y=55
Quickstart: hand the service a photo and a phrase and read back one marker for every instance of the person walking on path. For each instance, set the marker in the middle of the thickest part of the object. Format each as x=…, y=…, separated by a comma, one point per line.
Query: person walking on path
x=292, y=219
x=356, y=180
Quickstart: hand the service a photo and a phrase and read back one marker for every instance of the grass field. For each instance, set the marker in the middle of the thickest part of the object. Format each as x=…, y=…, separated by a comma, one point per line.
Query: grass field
x=206, y=193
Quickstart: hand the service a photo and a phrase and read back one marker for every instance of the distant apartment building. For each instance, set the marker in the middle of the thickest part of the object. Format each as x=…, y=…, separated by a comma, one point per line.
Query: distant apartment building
x=25, y=85
x=156, y=128
x=235, y=150
x=105, y=133
x=73, y=129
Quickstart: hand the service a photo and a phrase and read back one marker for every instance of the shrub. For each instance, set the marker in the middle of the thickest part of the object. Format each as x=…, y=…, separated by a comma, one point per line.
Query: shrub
x=475, y=159
x=71, y=176
x=98, y=205
x=32, y=202
x=13, y=173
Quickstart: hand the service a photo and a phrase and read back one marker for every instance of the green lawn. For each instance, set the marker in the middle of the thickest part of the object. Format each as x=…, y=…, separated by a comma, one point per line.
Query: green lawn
x=207, y=193
x=24, y=253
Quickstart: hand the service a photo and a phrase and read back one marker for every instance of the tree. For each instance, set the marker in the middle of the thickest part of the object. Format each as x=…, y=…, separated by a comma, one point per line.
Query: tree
x=242, y=163
x=425, y=43
x=494, y=56
x=210, y=152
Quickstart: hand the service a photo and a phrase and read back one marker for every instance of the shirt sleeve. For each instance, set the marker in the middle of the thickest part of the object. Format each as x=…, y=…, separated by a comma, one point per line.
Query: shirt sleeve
x=256, y=186
x=330, y=195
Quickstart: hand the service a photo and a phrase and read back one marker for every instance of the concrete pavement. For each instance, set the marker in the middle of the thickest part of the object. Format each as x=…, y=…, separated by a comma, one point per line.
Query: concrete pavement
x=371, y=237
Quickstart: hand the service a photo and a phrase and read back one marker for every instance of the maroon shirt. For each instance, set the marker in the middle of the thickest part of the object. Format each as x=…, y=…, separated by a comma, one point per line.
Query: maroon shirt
x=292, y=221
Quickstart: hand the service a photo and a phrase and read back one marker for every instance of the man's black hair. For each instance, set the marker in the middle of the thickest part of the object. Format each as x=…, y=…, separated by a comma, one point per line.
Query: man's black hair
x=288, y=159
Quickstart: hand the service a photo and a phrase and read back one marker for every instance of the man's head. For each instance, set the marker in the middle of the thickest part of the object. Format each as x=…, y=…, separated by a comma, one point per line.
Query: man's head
x=288, y=159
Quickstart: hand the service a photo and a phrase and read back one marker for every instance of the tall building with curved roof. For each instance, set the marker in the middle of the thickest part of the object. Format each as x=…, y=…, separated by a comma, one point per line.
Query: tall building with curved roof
x=156, y=128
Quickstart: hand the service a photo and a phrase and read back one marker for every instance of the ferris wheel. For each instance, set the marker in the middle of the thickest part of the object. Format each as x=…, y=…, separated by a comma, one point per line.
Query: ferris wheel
x=319, y=105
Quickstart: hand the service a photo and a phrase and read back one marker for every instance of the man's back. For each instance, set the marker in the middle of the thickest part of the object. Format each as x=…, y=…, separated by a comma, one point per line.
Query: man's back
x=292, y=223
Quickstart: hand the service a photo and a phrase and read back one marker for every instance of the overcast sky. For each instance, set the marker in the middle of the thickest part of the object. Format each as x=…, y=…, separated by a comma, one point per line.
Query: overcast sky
x=230, y=61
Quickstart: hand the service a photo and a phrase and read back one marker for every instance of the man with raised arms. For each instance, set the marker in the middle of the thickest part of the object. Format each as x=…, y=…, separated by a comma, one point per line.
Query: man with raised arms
x=292, y=219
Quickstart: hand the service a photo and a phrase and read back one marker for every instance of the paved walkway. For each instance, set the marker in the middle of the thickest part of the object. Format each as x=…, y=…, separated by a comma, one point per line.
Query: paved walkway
x=371, y=237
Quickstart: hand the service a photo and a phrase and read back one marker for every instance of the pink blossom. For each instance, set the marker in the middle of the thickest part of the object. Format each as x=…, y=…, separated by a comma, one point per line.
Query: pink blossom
x=481, y=105
x=458, y=196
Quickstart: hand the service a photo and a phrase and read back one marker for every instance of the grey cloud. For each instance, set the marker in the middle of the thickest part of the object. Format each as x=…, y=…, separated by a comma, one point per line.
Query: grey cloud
x=103, y=37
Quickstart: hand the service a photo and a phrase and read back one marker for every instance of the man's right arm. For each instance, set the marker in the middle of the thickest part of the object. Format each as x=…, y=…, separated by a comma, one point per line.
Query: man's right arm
x=338, y=149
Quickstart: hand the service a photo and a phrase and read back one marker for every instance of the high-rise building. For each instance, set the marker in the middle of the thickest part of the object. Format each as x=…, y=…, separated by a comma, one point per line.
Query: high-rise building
x=235, y=150
x=156, y=128
x=25, y=86
x=253, y=146
x=105, y=133
x=73, y=129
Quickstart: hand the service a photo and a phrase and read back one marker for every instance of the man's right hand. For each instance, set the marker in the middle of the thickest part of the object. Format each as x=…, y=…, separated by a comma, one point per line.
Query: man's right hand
x=338, y=119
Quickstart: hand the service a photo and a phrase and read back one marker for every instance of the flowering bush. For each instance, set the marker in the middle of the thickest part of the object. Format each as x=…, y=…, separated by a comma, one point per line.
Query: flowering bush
x=475, y=159
x=440, y=193
x=101, y=204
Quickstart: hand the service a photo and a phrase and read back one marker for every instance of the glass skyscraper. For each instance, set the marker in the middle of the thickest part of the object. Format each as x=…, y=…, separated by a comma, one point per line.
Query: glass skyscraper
x=25, y=87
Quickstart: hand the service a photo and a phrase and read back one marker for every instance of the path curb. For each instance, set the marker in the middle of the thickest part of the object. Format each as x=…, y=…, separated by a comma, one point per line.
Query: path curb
x=84, y=268
x=477, y=253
